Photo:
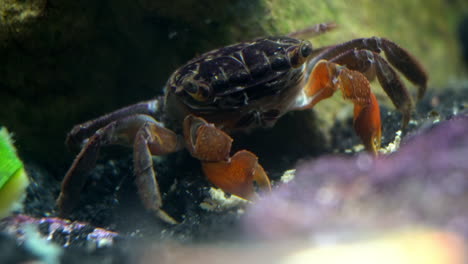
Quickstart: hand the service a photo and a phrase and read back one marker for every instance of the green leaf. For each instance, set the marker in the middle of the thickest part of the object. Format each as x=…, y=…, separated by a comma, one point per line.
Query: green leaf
x=9, y=161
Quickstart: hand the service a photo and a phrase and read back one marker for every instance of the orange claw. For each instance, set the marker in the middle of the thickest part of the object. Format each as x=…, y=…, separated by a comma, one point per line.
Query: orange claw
x=327, y=77
x=367, y=124
x=320, y=85
x=204, y=141
x=356, y=87
x=238, y=174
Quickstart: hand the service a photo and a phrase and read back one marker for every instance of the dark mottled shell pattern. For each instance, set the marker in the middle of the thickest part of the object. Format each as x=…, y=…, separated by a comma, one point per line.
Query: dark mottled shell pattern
x=256, y=80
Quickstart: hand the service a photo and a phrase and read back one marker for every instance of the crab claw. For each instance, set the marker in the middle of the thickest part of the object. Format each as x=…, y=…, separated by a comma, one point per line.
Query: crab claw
x=205, y=141
x=367, y=121
x=212, y=146
x=327, y=77
x=238, y=174
x=356, y=87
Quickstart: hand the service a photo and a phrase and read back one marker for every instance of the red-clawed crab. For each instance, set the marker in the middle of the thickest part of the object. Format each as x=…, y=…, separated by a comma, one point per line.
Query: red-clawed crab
x=238, y=88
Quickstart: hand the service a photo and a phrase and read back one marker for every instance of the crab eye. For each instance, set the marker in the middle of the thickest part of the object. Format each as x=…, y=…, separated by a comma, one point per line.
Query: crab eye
x=300, y=54
x=306, y=49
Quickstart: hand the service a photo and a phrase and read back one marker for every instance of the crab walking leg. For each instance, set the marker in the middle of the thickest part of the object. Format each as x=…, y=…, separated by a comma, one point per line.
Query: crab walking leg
x=85, y=130
x=327, y=77
x=75, y=178
x=406, y=64
x=152, y=139
x=126, y=131
x=212, y=146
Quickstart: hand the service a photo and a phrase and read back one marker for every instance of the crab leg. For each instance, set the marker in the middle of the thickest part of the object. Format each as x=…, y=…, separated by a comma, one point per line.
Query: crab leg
x=147, y=136
x=327, y=77
x=152, y=139
x=212, y=146
x=83, y=131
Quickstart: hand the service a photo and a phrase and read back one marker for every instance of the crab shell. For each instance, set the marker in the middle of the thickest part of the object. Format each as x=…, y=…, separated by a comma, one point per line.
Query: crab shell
x=242, y=86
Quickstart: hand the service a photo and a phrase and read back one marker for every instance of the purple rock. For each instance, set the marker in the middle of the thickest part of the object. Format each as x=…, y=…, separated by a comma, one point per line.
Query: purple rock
x=423, y=184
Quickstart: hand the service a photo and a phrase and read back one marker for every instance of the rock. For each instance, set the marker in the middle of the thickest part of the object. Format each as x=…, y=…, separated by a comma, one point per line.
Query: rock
x=423, y=184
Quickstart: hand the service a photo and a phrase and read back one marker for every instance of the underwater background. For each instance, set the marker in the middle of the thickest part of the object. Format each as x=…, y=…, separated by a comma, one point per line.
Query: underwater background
x=66, y=62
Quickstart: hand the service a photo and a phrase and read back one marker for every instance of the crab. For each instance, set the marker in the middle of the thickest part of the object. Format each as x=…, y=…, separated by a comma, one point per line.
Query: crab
x=238, y=88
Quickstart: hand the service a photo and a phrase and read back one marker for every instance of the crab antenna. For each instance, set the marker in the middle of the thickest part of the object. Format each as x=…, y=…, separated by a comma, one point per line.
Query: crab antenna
x=313, y=31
